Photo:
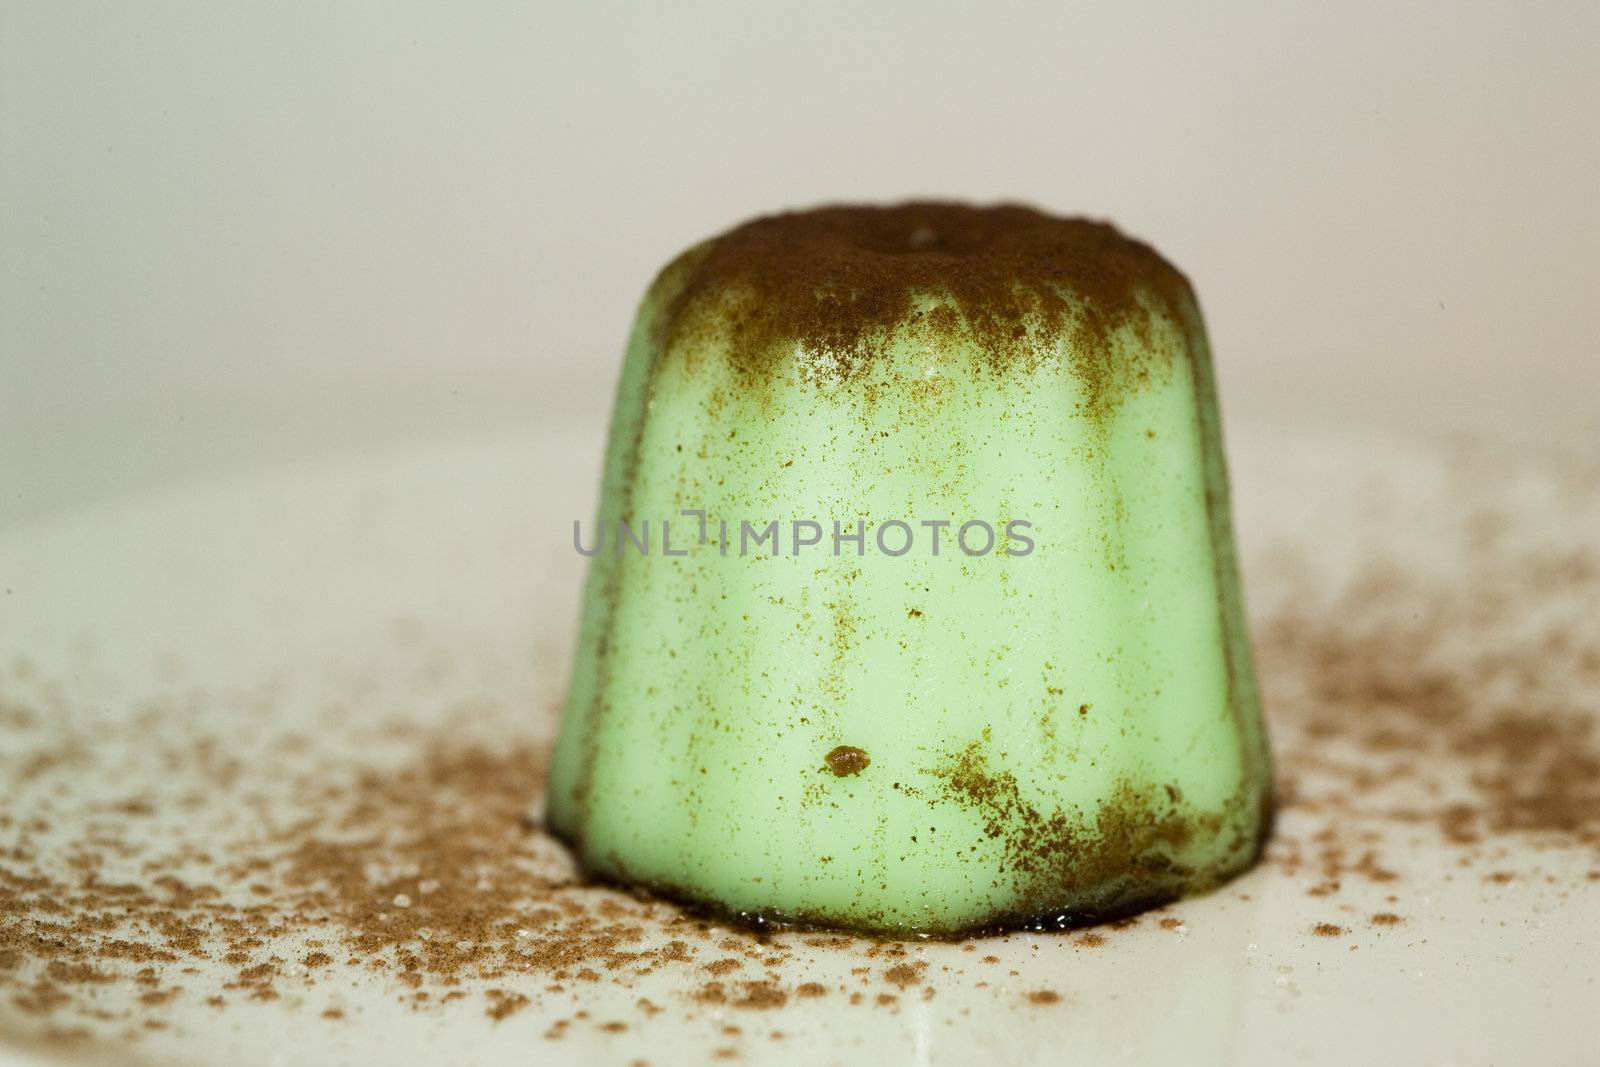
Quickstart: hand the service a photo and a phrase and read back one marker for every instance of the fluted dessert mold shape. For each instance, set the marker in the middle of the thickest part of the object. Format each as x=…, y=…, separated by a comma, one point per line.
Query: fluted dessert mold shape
x=1060, y=729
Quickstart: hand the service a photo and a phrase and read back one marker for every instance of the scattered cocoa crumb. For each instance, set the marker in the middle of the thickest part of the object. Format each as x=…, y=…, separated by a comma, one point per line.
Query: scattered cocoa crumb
x=503, y=1003
x=762, y=996
x=905, y=975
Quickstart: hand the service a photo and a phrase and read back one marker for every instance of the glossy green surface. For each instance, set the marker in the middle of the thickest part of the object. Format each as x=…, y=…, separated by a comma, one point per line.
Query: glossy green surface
x=1074, y=731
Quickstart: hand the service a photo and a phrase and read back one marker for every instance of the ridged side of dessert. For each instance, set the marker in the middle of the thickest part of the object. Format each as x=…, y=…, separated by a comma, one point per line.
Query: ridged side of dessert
x=1061, y=728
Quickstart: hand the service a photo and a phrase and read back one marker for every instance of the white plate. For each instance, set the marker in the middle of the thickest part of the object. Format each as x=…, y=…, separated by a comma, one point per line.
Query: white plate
x=186, y=674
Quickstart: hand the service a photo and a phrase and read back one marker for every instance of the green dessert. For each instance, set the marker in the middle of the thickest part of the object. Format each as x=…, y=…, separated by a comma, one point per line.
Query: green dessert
x=922, y=616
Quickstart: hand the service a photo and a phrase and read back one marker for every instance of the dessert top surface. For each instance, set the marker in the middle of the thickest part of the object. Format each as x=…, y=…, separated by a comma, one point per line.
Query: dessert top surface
x=840, y=278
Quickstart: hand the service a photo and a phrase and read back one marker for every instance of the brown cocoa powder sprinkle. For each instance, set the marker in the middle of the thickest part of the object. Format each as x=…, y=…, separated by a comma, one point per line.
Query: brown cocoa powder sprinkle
x=1044, y=996
x=1048, y=848
x=905, y=975
x=504, y=1003
x=762, y=996
x=840, y=280
x=1451, y=695
x=1403, y=708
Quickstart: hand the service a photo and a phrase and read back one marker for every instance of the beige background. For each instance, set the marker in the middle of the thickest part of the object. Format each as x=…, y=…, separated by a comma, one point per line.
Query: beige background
x=231, y=230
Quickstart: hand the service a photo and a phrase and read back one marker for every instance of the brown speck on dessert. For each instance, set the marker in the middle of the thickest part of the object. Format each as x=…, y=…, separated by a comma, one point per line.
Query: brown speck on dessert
x=1386, y=918
x=1328, y=930
x=846, y=760
x=1044, y=996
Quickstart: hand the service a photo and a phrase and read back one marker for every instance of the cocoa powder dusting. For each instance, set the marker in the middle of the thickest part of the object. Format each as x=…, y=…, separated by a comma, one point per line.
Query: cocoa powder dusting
x=1456, y=708
x=837, y=282
x=1449, y=712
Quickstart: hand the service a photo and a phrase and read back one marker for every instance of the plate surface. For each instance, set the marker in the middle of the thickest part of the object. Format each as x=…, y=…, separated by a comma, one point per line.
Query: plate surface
x=267, y=739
